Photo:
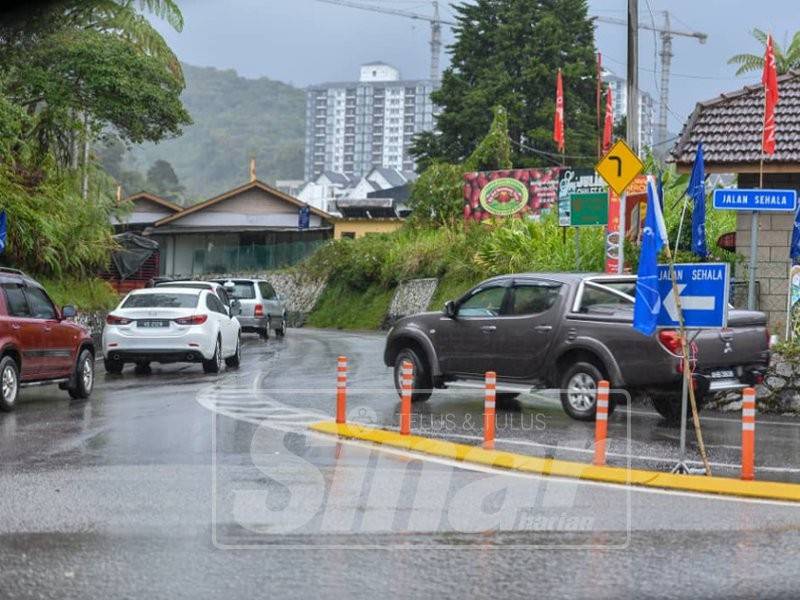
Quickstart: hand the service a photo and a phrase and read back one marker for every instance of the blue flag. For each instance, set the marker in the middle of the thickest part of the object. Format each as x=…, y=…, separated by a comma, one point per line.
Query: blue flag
x=3, y=231
x=794, y=249
x=654, y=237
x=697, y=191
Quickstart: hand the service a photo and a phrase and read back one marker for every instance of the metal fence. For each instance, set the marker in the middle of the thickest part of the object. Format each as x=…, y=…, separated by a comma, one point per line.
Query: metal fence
x=227, y=259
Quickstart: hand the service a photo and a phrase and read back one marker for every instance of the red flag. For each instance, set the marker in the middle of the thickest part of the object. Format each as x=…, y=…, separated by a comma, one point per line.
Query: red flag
x=558, y=121
x=770, y=80
x=608, y=127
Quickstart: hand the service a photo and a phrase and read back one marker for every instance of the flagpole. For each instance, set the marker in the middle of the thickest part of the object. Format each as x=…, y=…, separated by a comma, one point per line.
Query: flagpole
x=751, y=276
x=687, y=382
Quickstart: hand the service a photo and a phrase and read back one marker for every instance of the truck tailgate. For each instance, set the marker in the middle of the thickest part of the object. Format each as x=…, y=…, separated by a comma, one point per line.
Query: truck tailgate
x=744, y=342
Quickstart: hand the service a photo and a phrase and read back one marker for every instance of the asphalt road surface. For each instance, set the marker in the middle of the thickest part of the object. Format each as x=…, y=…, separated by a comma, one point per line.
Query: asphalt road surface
x=178, y=484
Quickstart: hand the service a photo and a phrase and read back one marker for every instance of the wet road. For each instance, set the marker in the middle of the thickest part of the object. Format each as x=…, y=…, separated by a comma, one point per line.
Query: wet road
x=184, y=485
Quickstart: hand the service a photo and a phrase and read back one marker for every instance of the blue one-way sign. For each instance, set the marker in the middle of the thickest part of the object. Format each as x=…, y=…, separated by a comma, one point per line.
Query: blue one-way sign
x=761, y=200
x=703, y=290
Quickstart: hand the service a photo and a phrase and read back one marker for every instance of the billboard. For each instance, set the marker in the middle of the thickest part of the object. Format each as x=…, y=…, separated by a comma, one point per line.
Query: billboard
x=512, y=192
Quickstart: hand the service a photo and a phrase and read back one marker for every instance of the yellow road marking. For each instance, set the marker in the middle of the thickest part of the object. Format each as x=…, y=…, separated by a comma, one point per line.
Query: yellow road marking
x=769, y=490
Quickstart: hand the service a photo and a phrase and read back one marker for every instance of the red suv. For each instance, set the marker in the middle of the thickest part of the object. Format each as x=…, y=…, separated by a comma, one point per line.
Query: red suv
x=37, y=344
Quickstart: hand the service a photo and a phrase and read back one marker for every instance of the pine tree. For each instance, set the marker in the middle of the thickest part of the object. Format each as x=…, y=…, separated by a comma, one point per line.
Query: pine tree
x=507, y=52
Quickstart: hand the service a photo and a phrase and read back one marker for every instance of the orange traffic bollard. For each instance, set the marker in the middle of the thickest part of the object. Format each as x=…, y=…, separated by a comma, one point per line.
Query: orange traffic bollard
x=341, y=390
x=405, y=397
x=489, y=403
x=601, y=424
x=748, y=434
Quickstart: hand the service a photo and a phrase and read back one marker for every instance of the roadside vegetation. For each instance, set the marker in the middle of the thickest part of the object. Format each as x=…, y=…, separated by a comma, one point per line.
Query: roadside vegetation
x=71, y=73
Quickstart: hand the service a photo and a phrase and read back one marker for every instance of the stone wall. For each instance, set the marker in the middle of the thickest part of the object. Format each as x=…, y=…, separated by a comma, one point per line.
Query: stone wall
x=779, y=394
x=410, y=297
x=94, y=322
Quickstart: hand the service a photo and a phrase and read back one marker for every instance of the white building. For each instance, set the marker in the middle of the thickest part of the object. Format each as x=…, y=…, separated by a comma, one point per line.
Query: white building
x=352, y=127
x=328, y=187
x=647, y=111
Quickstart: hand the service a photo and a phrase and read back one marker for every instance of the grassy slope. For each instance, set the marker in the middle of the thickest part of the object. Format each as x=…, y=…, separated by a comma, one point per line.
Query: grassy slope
x=344, y=308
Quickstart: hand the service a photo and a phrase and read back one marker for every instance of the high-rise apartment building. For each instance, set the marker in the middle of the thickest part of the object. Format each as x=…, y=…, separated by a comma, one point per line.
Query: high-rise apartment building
x=354, y=126
x=647, y=111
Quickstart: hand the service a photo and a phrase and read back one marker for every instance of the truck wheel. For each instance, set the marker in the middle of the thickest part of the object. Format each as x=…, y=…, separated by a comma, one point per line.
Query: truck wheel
x=421, y=384
x=669, y=407
x=579, y=391
x=264, y=333
x=281, y=331
x=84, y=377
x=507, y=401
x=9, y=384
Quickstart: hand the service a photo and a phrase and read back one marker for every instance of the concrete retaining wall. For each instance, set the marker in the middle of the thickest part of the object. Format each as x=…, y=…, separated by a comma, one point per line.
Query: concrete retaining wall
x=410, y=297
x=779, y=394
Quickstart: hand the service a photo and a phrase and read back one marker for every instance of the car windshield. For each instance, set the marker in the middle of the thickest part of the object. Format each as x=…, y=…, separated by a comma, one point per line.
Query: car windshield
x=165, y=300
x=242, y=290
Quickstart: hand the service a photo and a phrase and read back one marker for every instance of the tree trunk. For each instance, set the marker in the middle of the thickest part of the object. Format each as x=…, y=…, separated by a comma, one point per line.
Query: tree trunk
x=85, y=181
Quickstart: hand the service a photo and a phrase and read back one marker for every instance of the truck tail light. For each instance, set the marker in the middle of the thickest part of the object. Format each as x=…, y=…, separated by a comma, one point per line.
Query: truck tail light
x=258, y=311
x=671, y=340
x=193, y=320
x=115, y=320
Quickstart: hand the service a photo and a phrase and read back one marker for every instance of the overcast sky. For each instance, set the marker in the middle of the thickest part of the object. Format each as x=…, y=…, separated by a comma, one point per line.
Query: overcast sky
x=305, y=41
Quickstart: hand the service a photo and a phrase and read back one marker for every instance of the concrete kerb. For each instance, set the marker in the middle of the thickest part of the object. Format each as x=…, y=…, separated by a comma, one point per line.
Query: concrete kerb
x=765, y=490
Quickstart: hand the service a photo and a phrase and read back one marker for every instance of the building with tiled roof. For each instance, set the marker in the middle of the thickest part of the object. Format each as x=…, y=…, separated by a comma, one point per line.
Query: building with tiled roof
x=730, y=127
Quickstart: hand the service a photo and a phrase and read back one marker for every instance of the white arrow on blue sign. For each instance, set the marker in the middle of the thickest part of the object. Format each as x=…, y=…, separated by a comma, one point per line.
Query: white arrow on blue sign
x=760, y=200
x=703, y=290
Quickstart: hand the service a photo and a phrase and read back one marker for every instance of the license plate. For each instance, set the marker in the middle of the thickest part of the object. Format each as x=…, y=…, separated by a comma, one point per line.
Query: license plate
x=152, y=323
x=722, y=374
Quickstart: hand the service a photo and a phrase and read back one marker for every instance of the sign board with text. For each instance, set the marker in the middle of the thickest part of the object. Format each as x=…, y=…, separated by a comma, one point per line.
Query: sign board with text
x=756, y=200
x=703, y=289
x=588, y=209
x=576, y=181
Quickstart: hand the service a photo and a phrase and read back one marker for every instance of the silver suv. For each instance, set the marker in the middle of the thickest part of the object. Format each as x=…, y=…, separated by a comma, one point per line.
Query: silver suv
x=262, y=308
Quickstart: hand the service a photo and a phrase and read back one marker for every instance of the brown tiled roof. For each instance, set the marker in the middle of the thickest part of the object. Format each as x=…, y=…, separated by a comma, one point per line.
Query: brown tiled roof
x=730, y=128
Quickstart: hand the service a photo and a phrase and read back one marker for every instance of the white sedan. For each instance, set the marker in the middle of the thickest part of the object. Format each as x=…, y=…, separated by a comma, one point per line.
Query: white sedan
x=169, y=325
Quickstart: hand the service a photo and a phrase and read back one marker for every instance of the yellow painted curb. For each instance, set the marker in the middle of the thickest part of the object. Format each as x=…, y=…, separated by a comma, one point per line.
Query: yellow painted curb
x=768, y=490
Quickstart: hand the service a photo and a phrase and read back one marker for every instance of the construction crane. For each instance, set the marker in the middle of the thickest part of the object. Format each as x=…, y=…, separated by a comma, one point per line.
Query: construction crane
x=436, y=25
x=666, y=33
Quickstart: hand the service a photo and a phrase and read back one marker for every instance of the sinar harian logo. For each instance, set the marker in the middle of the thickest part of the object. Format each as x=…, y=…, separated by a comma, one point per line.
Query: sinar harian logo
x=504, y=196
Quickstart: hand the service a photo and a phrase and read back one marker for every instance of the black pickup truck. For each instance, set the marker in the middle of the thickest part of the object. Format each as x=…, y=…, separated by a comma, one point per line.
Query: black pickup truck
x=569, y=331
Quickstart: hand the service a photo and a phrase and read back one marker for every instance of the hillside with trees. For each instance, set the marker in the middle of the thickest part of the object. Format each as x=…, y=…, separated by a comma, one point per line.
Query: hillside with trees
x=234, y=119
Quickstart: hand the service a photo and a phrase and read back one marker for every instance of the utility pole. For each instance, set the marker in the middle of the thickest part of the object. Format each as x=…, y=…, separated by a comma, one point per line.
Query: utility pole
x=632, y=117
x=666, y=61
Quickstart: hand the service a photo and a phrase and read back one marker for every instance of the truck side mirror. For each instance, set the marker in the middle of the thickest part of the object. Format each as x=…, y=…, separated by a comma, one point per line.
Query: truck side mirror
x=450, y=309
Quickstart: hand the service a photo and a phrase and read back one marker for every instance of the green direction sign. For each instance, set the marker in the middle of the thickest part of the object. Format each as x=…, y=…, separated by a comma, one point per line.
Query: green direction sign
x=588, y=209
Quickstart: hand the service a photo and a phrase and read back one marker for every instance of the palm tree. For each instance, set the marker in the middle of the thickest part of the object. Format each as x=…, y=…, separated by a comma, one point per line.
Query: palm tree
x=785, y=61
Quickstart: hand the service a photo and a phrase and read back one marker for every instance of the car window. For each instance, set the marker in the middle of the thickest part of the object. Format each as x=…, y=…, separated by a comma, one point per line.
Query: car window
x=243, y=290
x=223, y=296
x=487, y=302
x=215, y=304
x=16, y=301
x=626, y=287
x=165, y=300
x=598, y=300
x=40, y=305
x=267, y=292
x=533, y=299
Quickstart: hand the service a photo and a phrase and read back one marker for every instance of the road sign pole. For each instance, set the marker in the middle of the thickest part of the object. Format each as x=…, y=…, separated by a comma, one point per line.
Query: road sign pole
x=751, y=283
x=684, y=406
